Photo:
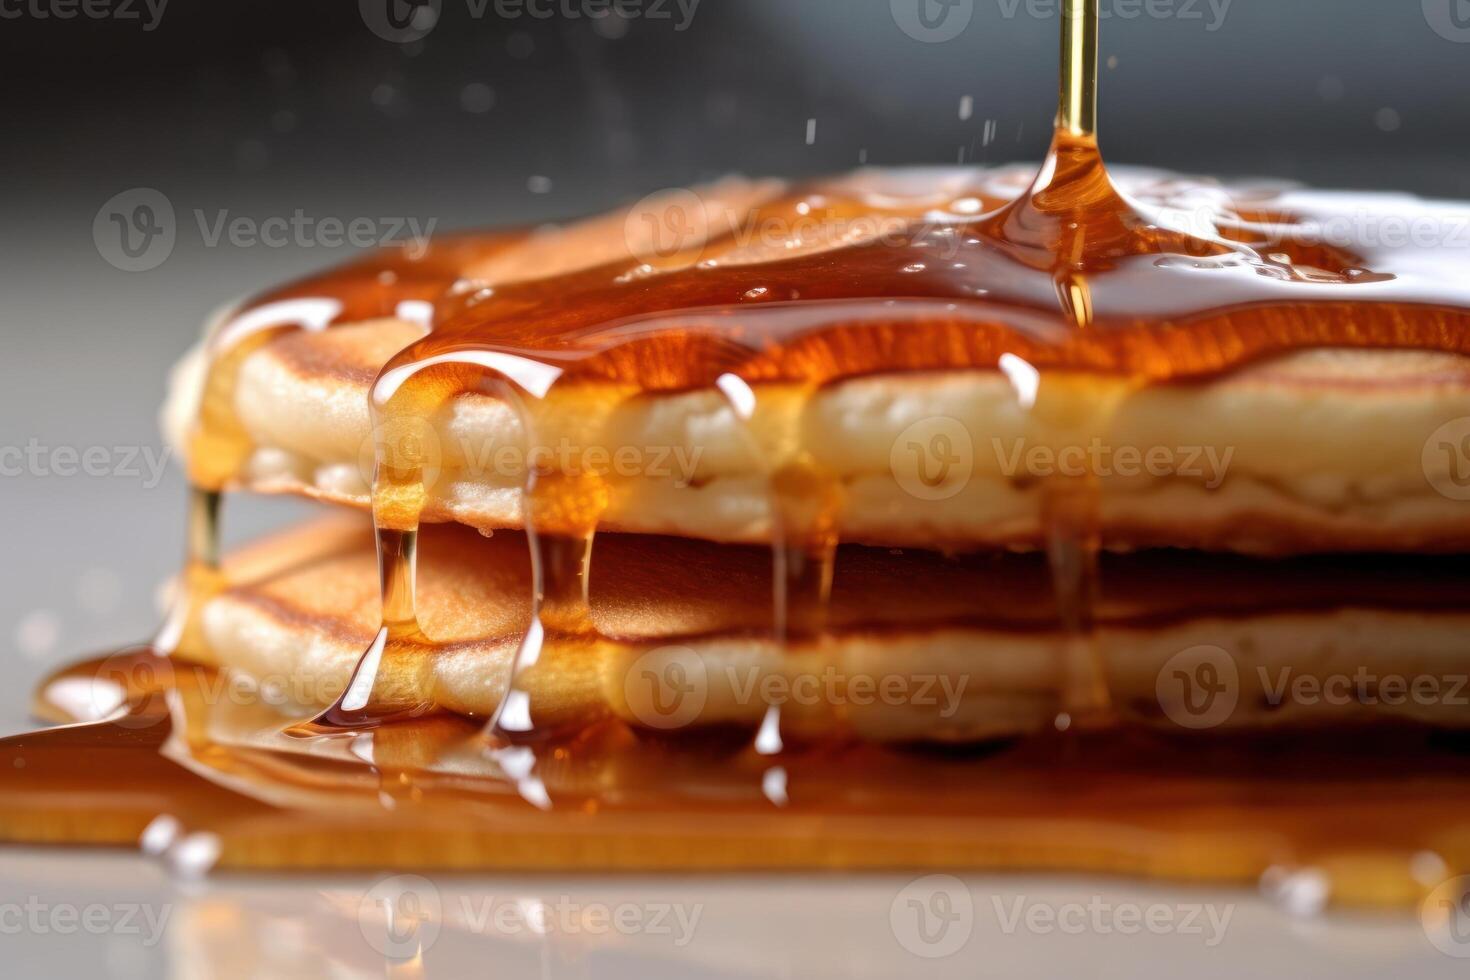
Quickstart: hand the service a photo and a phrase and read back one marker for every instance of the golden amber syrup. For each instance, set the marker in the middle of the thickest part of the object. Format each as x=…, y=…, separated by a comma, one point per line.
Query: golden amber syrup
x=1096, y=283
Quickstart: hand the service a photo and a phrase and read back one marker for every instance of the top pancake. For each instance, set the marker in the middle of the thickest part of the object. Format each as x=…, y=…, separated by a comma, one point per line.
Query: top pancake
x=1321, y=450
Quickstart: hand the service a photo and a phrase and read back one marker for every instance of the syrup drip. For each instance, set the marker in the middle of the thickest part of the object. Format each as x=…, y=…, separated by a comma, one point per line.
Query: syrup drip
x=1073, y=275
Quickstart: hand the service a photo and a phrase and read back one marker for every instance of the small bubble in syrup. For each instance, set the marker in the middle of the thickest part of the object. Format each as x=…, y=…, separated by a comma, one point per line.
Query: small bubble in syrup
x=756, y=293
x=916, y=267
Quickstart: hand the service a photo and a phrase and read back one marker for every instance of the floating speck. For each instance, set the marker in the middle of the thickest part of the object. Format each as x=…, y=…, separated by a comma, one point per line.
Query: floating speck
x=538, y=184
x=251, y=155
x=1112, y=62
x=99, y=591
x=756, y=293
x=37, y=633
x=477, y=97
x=283, y=120
x=519, y=45
x=612, y=26
x=967, y=106
x=1387, y=119
x=1331, y=88
x=811, y=131
x=384, y=95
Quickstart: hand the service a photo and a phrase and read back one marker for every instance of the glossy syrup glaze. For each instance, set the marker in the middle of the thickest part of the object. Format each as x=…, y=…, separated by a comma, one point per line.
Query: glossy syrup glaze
x=1075, y=271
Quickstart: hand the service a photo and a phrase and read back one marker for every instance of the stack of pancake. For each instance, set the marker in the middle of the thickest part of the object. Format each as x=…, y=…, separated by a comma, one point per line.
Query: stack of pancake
x=1278, y=543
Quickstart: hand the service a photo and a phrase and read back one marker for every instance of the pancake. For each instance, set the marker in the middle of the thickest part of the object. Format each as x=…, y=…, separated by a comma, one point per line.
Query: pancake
x=1317, y=450
x=1330, y=450
x=919, y=646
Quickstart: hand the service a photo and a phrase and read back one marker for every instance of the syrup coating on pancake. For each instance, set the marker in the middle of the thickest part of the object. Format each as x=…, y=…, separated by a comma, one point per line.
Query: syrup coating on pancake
x=1138, y=277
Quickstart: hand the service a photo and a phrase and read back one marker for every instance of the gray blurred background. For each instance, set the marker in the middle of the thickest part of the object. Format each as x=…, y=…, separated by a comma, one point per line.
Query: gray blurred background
x=527, y=110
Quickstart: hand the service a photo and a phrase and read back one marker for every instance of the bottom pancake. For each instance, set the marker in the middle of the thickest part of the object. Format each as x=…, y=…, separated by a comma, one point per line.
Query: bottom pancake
x=918, y=646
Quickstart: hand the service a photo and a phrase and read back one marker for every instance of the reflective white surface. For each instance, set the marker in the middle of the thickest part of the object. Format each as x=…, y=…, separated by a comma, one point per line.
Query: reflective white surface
x=103, y=914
